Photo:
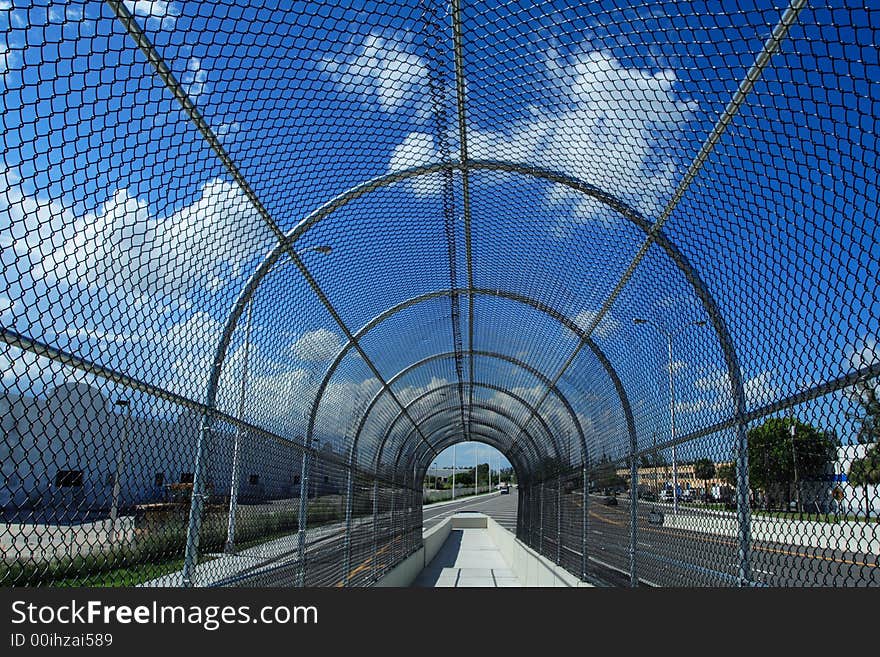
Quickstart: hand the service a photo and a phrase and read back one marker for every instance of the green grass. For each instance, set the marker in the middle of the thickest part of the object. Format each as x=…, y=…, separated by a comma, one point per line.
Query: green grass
x=122, y=576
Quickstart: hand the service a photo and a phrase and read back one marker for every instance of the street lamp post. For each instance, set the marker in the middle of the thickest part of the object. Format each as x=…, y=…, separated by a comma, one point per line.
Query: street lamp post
x=239, y=435
x=669, y=336
x=120, y=460
x=453, y=472
x=476, y=471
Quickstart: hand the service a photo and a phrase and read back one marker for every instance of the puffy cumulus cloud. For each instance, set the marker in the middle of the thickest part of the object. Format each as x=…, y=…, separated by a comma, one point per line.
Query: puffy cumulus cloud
x=194, y=78
x=382, y=71
x=713, y=392
x=156, y=14
x=318, y=345
x=418, y=149
x=130, y=253
x=608, y=130
x=27, y=371
x=409, y=393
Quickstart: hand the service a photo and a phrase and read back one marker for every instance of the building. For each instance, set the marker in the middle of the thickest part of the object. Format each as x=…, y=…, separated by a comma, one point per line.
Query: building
x=656, y=478
x=849, y=499
x=60, y=458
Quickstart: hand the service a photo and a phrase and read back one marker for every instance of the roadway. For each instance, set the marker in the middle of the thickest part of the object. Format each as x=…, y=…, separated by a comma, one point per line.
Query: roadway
x=678, y=557
x=666, y=556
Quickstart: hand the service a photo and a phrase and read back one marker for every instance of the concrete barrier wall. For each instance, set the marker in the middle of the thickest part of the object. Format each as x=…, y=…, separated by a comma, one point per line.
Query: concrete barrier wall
x=405, y=573
x=531, y=568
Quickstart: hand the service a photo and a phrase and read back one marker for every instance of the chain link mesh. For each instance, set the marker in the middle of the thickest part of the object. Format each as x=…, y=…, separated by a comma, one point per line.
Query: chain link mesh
x=262, y=262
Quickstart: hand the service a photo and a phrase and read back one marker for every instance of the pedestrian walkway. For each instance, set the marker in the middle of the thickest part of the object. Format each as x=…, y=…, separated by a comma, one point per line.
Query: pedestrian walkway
x=468, y=558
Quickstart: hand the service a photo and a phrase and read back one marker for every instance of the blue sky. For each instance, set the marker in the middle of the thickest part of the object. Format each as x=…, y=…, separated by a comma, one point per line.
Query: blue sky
x=124, y=239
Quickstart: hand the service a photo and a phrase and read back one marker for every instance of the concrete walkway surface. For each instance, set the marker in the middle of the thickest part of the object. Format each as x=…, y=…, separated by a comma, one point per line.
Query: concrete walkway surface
x=468, y=558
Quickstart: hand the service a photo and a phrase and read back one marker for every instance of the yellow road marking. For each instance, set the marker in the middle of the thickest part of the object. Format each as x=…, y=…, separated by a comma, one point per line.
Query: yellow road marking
x=367, y=562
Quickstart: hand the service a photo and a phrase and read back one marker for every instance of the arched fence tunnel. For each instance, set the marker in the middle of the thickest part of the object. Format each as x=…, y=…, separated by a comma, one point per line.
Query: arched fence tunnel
x=263, y=262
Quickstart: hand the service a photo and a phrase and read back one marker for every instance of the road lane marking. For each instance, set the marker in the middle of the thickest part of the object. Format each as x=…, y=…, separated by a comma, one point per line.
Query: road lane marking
x=720, y=541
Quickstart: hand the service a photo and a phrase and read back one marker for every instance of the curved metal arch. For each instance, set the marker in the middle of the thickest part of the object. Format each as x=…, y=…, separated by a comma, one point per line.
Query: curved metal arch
x=652, y=232
x=504, y=357
x=481, y=385
x=343, y=199
x=416, y=456
x=540, y=306
x=486, y=438
x=405, y=409
x=446, y=409
x=447, y=441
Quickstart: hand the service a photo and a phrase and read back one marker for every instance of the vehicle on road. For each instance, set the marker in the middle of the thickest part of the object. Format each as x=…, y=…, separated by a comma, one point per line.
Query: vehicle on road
x=666, y=495
x=648, y=496
x=611, y=500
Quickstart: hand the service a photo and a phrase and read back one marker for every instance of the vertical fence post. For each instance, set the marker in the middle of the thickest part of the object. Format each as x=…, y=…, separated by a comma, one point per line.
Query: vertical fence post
x=559, y=520
x=541, y=522
x=743, y=510
x=239, y=437
x=233, y=493
x=375, y=527
x=392, y=521
x=349, y=494
x=584, y=528
x=633, y=518
x=196, y=504
x=303, y=513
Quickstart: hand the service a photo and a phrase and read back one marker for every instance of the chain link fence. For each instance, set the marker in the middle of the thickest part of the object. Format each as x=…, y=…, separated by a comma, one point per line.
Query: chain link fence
x=263, y=262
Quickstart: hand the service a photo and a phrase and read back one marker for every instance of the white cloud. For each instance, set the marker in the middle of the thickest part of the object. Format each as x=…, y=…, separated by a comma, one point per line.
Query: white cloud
x=226, y=130
x=26, y=371
x=6, y=305
x=865, y=352
x=761, y=388
x=607, y=327
x=418, y=149
x=5, y=60
x=318, y=345
x=69, y=11
x=194, y=78
x=714, y=392
x=608, y=132
x=382, y=71
x=159, y=14
x=677, y=366
x=128, y=252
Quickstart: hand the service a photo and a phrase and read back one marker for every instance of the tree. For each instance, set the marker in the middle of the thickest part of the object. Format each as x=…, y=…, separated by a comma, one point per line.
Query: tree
x=869, y=419
x=864, y=472
x=727, y=474
x=704, y=469
x=778, y=461
x=605, y=475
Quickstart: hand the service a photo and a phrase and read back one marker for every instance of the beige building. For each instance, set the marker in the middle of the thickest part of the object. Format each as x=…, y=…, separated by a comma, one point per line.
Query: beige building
x=656, y=478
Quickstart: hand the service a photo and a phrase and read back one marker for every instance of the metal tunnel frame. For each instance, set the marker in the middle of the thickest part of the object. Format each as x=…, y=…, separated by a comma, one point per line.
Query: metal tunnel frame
x=286, y=241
